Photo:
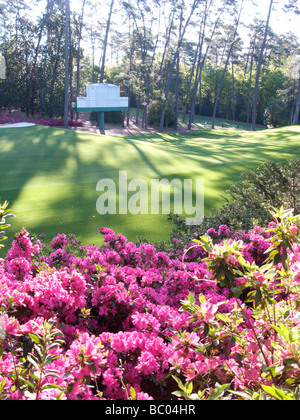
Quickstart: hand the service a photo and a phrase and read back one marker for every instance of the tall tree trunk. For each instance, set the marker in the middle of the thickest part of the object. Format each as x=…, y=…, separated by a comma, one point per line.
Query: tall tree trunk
x=220, y=88
x=249, y=87
x=66, y=64
x=78, y=53
x=259, y=68
x=130, y=72
x=201, y=62
x=177, y=77
x=233, y=94
x=296, y=115
x=200, y=95
x=176, y=94
x=33, y=69
x=48, y=13
x=71, y=68
x=168, y=37
x=105, y=41
x=225, y=68
x=157, y=36
x=129, y=107
x=198, y=70
x=190, y=81
x=56, y=65
x=162, y=118
x=138, y=105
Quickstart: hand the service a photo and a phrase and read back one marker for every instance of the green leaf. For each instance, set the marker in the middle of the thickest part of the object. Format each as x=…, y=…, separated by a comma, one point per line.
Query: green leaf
x=277, y=259
x=189, y=388
x=219, y=273
x=250, y=296
x=222, y=317
x=180, y=394
x=29, y=384
x=48, y=385
x=206, y=329
x=34, y=338
x=191, y=298
x=201, y=298
x=269, y=390
x=218, y=392
x=243, y=395
x=33, y=360
x=277, y=393
x=293, y=335
x=2, y=385
x=60, y=396
x=233, y=340
x=3, y=227
x=180, y=384
x=236, y=291
x=283, y=331
x=258, y=297
x=132, y=393
x=273, y=253
x=93, y=367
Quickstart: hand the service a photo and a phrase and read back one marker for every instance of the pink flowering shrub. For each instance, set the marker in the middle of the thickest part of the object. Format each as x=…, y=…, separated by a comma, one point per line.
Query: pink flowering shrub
x=121, y=321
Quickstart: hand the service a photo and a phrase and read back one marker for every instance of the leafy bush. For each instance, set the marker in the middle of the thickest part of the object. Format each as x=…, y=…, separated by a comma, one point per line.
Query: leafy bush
x=248, y=201
x=274, y=335
x=4, y=214
x=276, y=114
x=121, y=321
x=154, y=113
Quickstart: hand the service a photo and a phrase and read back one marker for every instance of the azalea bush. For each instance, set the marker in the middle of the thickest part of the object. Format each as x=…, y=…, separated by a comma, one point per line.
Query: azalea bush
x=216, y=320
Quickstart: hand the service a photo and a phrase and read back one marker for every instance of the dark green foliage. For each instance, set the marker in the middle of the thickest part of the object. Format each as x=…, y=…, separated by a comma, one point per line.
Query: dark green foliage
x=4, y=214
x=248, y=201
x=276, y=114
x=154, y=113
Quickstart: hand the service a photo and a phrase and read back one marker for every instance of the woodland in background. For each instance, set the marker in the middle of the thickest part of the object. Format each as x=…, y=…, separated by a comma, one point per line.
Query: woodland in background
x=174, y=59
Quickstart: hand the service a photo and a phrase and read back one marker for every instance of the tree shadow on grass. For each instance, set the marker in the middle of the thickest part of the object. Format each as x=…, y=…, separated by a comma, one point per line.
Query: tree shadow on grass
x=51, y=174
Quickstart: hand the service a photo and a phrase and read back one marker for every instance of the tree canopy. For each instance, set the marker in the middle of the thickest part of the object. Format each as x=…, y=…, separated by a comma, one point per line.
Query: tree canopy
x=173, y=58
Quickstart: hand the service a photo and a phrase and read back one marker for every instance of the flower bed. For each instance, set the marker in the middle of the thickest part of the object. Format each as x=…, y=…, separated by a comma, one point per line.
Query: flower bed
x=121, y=321
x=58, y=122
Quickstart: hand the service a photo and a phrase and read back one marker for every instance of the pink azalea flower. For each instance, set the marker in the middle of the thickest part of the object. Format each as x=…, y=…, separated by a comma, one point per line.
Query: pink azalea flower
x=294, y=229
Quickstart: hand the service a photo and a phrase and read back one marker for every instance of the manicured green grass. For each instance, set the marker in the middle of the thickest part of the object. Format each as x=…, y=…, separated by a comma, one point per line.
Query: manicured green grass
x=49, y=175
x=220, y=123
x=199, y=122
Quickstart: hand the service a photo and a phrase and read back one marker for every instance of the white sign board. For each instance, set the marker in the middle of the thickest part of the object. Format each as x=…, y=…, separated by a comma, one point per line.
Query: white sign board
x=102, y=95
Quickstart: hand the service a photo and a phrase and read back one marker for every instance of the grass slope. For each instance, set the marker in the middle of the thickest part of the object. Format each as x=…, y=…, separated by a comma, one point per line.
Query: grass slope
x=49, y=175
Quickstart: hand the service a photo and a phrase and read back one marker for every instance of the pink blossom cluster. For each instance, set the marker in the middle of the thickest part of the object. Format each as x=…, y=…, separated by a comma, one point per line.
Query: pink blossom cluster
x=56, y=122
x=119, y=307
